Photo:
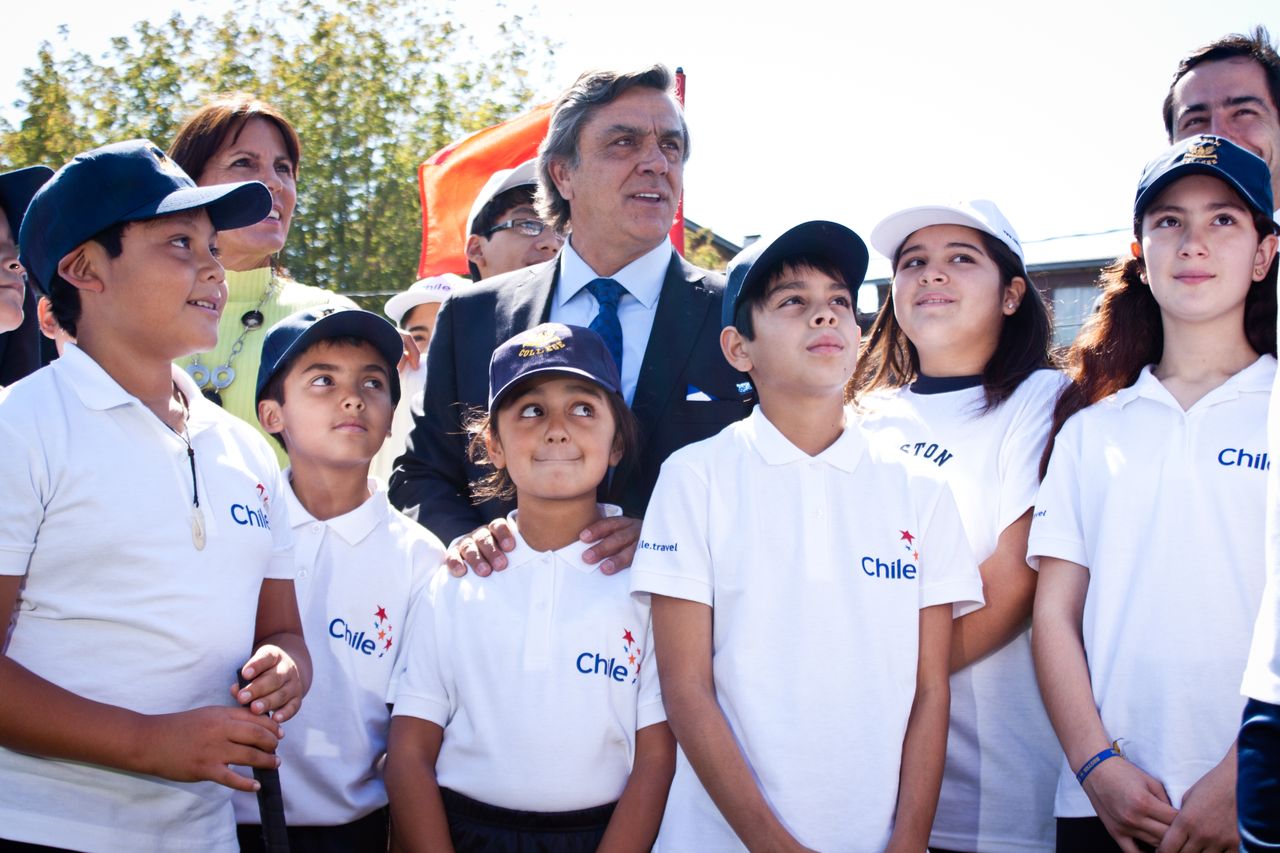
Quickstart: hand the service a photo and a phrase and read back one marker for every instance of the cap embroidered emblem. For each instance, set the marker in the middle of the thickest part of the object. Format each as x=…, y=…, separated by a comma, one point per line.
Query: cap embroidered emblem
x=540, y=342
x=166, y=164
x=1203, y=150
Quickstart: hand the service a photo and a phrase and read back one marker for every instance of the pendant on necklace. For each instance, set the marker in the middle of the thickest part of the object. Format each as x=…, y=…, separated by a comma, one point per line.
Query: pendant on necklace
x=251, y=319
x=212, y=396
x=223, y=376
x=197, y=528
x=199, y=374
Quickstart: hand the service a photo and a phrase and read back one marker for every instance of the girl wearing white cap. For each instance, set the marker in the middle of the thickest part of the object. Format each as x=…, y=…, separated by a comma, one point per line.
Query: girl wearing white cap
x=954, y=373
x=1148, y=528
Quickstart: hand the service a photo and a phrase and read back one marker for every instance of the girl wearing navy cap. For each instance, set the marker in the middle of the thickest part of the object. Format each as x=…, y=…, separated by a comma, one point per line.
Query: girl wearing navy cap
x=528, y=716
x=954, y=373
x=1148, y=528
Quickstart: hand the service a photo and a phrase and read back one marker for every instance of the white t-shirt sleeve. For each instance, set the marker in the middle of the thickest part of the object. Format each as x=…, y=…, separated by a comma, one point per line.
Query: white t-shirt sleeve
x=1024, y=445
x=673, y=557
x=23, y=483
x=281, y=566
x=421, y=690
x=649, y=708
x=1057, y=528
x=949, y=570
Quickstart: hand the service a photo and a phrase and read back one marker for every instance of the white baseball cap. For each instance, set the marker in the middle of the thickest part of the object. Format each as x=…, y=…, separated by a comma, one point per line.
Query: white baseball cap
x=434, y=288
x=893, y=230
x=524, y=175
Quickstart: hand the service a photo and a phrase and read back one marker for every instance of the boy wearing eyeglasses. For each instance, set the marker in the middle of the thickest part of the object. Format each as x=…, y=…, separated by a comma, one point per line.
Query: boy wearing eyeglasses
x=504, y=231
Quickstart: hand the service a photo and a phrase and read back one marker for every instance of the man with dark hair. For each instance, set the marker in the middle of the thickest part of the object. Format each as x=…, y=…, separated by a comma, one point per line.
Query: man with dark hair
x=504, y=231
x=611, y=171
x=1231, y=87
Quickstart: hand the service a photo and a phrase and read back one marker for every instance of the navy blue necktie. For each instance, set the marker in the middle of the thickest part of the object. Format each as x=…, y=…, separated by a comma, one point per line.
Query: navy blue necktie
x=606, y=324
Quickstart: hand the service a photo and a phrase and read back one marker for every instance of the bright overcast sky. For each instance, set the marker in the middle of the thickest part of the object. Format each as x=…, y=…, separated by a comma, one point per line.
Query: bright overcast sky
x=808, y=109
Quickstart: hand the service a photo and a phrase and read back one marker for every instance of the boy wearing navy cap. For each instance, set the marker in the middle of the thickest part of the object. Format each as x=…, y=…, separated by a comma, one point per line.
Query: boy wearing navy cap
x=327, y=385
x=829, y=733
x=144, y=551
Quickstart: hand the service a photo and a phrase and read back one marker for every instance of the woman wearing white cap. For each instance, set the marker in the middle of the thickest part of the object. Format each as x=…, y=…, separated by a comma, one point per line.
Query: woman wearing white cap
x=954, y=373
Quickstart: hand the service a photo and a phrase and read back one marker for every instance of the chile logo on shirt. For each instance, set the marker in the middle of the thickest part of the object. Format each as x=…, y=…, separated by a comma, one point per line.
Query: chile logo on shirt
x=902, y=568
x=245, y=515
x=371, y=642
x=616, y=668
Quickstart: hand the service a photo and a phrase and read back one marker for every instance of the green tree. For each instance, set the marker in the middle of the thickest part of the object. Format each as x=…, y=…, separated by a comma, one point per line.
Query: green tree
x=373, y=88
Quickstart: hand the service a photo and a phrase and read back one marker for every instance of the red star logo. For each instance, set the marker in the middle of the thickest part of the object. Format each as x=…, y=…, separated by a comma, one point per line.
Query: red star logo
x=388, y=645
x=381, y=613
x=907, y=537
x=626, y=635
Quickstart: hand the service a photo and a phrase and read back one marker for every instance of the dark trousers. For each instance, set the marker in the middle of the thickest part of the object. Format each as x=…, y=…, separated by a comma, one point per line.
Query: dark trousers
x=475, y=826
x=366, y=835
x=1258, y=777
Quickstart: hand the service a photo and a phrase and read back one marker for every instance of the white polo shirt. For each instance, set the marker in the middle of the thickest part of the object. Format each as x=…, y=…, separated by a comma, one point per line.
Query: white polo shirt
x=117, y=604
x=356, y=576
x=1165, y=509
x=817, y=568
x=540, y=676
x=1262, y=674
x=1002, y=755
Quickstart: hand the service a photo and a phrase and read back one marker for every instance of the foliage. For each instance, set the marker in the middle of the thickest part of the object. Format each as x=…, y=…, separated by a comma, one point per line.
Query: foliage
x=372, y=86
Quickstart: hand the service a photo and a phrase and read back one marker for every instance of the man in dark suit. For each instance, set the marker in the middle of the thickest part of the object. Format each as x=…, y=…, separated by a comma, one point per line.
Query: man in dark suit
x=611, y=172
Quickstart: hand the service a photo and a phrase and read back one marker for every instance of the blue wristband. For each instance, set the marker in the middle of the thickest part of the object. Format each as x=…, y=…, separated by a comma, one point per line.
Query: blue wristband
x=1088, y=767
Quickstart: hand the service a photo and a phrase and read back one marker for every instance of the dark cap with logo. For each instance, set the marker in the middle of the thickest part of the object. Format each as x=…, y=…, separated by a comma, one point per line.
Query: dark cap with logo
x=289, y=338
x=123, y=182
x=16, y=189
x=830, y=240
x=1242, y=170
x=551, y=348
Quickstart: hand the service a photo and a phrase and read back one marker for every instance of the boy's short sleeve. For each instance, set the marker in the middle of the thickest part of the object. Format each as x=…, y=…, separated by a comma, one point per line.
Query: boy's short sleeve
x=23, y=483
x=1056, y=526
x=673, y=557
x=649, y=707
x=420, y=690
x=949, y=569
x=281, y=566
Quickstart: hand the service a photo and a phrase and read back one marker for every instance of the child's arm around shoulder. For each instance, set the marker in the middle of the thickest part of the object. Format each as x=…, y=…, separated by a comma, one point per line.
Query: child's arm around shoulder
x=40, y=718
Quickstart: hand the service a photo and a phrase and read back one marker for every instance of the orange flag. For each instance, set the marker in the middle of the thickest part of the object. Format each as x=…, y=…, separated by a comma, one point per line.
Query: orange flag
x=451, y=178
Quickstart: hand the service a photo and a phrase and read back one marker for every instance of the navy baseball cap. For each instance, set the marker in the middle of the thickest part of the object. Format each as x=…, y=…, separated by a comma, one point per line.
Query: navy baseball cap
x=831, y=240
x=551, y=348
x=123, y=182
x=17, y=188
x=291, y=336
x=1242, y=170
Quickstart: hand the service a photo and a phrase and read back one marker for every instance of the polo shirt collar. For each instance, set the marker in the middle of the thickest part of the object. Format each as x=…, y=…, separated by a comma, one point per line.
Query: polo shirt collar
x=776, y=449
x=99, y=391
x=642, y=277
x=1257, y=377
x=351, y=527
x=570, y=554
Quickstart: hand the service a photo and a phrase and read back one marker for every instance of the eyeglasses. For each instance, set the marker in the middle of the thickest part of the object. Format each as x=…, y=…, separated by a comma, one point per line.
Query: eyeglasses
x=524, y=227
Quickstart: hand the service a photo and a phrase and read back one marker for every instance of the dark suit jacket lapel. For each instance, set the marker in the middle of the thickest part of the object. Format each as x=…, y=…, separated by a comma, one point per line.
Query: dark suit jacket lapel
x=526, y=302
x=682, y=309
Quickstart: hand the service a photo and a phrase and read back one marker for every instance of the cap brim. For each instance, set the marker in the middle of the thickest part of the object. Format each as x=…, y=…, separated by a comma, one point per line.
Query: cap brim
x=228, y=205
x=497, y=398
x=16, y=191
x=1182, y=170
x=357, y=324
x=888, y=236
x=402, y=303
x=820, y=237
